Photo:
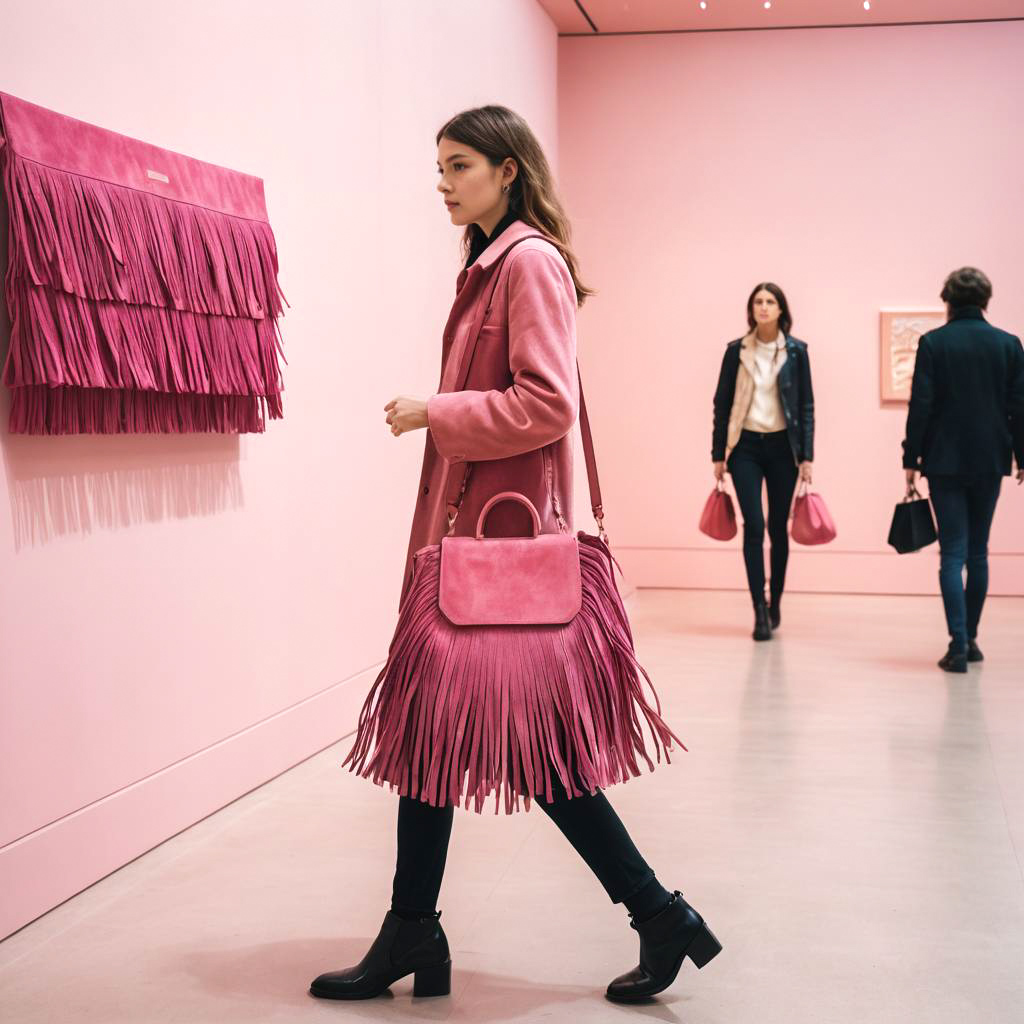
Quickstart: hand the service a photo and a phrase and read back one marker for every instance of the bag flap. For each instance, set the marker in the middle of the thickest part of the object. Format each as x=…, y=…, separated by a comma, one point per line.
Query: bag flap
x=510, y=581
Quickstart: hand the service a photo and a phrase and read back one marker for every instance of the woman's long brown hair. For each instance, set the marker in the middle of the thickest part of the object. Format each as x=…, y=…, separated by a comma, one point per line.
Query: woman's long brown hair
x=500, y=133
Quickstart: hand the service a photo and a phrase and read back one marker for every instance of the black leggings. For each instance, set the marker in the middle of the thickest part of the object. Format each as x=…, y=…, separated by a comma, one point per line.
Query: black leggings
x=764, y=459
x=589, y=822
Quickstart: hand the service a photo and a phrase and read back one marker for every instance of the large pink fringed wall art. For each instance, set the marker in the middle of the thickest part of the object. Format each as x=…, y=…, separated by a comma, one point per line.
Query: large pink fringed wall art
x=142, y=285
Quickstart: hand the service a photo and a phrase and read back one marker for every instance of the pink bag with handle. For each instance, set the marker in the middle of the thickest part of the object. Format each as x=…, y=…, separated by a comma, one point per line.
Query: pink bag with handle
x=811, y=522
x=510, y=580
x=512, y=663
x=718, y=519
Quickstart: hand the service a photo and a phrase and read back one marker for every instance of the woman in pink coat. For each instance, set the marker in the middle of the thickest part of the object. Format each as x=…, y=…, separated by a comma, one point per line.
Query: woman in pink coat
x=511, y=419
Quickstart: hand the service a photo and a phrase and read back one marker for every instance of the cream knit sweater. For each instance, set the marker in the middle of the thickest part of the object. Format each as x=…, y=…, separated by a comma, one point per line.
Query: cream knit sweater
x=765, y=414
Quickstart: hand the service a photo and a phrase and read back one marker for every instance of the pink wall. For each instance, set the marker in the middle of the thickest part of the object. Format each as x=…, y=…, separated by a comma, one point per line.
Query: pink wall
x=856, y=168
x=183, y=618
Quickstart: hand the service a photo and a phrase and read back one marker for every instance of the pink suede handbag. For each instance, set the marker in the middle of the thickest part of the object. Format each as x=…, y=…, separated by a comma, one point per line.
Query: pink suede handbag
x=811, y=522
x=510, y=581
x=718, y=520
x=512, y=661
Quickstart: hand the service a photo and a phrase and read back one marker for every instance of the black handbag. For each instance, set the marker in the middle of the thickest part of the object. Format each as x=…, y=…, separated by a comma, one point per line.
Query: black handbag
x=912, y=527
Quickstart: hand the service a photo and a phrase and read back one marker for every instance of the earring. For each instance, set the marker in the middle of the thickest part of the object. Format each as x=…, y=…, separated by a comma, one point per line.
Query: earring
x=505, y=188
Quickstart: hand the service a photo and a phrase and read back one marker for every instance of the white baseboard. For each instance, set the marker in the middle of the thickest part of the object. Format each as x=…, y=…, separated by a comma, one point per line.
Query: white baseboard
x=53, y=863
x=811, y=570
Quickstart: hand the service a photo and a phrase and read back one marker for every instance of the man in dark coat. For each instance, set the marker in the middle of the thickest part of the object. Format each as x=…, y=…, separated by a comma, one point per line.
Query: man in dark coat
x=965, y=425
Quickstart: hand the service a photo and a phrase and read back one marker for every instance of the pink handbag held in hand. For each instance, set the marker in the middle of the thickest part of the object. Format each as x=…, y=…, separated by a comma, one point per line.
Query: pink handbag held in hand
x=718, y=519
x=811, y=523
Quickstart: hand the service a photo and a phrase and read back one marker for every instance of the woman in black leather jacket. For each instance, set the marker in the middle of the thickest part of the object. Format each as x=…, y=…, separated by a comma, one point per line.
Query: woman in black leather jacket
x=764, y=436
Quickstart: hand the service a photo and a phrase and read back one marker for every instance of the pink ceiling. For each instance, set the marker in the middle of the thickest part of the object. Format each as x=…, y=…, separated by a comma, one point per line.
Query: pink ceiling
x=686, y=15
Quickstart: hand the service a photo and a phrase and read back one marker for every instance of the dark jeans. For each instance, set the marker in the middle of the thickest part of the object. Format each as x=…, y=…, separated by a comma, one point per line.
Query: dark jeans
x=589, y=822
x=963, y=512
x=764, y=459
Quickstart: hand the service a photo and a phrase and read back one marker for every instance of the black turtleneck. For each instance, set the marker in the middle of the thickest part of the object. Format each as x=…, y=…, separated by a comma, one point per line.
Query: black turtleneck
x=480, y=241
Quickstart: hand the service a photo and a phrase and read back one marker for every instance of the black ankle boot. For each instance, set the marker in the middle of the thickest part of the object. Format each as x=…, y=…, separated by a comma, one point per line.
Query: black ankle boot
x=401, y=948
x=775, y=612
x=974, y=651
x=955, y=660
x=762, y=627
x=665, y=941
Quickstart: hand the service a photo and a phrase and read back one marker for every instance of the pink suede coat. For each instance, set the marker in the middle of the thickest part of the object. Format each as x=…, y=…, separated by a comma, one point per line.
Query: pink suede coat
x=521, y=397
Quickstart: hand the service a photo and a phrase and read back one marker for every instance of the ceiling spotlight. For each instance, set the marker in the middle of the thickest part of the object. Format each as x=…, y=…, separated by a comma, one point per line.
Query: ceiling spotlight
x=703, y=5
x=867, y=5
x=767, y=5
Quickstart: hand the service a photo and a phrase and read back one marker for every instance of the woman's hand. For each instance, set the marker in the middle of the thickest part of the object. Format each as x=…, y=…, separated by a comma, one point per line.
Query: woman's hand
x=806, y=469
x=405, y=413
x=719, y=468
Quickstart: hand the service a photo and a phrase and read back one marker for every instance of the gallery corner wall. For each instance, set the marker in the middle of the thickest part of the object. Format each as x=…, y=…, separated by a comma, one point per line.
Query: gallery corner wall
x=856, y=168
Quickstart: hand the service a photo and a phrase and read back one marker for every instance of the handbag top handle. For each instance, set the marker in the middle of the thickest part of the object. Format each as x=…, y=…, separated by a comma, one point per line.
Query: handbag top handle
x=457, y=481
x=508, y=496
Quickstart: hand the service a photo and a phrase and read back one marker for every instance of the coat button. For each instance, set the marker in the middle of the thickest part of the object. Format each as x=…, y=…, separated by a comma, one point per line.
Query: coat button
x=426, y=490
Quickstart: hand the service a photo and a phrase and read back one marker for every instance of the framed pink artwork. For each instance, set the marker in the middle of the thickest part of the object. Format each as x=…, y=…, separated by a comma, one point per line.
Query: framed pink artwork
x=901, y=329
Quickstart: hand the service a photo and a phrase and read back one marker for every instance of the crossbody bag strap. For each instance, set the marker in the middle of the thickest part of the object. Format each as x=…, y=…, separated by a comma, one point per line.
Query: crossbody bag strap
x=591, y=460
x=458, y=480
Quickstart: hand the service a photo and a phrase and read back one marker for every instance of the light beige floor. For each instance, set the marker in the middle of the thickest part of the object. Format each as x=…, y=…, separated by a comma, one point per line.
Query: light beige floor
x=849, y=819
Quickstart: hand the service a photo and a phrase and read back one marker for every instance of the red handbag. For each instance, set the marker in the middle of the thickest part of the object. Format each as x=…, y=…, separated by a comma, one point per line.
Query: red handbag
x=718, y=520
x=811, y=522
x=512, y=662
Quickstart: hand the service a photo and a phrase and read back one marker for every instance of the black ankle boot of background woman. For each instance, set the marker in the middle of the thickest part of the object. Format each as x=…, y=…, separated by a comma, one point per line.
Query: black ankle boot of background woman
x=762, y=626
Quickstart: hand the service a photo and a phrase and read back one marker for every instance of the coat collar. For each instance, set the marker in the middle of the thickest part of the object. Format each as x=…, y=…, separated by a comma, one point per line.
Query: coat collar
x=479, y=241
x=513, y=233
x=967, y=313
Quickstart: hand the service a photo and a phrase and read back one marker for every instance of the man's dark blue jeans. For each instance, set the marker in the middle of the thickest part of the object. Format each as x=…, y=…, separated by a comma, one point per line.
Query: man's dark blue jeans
x=964, y=508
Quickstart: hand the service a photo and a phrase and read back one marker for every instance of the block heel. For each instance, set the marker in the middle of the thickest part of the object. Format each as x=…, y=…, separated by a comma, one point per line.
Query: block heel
x=704, y=947
x=434, y=981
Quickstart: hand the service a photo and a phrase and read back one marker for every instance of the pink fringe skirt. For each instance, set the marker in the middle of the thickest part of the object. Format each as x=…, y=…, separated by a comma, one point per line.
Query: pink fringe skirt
x=460, y=712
